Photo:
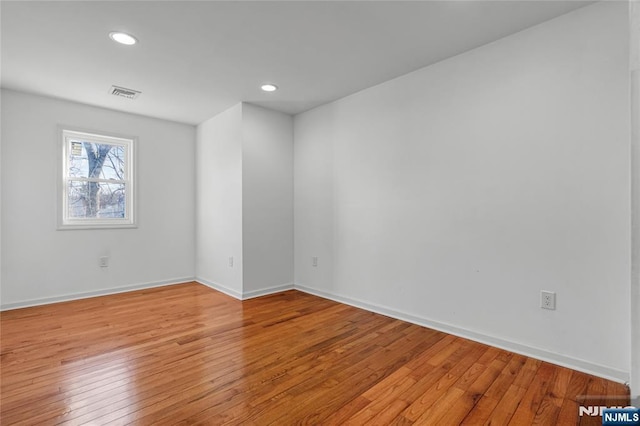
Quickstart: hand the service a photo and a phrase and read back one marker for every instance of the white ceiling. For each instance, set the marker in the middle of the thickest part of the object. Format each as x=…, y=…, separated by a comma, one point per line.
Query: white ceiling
x=196, y=59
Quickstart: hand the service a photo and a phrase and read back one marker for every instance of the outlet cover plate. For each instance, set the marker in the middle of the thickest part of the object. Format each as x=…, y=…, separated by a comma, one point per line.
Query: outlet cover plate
x=548, y=300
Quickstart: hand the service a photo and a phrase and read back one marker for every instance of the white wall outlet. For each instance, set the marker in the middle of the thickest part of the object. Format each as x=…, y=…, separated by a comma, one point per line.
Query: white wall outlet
x=231, y=262
x=547, y=300
x=314, y=261
x=103, y=261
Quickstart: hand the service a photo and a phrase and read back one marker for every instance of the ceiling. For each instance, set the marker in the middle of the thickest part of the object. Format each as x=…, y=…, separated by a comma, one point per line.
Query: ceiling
x=196, y=59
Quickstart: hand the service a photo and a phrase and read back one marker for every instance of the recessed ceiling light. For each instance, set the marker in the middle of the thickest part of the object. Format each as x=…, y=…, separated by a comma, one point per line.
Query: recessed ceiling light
x=123, y=38
x=269, y=87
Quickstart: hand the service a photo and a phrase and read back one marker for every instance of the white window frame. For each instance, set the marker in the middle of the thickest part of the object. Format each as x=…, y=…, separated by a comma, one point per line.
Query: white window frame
x=129, y=143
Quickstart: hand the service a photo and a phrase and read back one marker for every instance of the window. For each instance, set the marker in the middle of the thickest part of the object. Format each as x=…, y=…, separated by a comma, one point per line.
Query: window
x=97, y=188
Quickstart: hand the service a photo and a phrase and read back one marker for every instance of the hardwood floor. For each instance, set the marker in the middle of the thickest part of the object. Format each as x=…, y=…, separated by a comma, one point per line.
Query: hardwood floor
x=186, y=354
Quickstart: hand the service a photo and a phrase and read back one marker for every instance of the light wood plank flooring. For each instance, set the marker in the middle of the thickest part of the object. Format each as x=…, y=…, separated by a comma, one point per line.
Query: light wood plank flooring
x=186, y=354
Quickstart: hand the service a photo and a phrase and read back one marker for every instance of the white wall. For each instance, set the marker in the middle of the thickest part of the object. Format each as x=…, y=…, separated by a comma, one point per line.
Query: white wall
x=245, y=201
x=451, y=196
x=42, y=264
x=219, y=201
x=267, y=192
x=635, y=197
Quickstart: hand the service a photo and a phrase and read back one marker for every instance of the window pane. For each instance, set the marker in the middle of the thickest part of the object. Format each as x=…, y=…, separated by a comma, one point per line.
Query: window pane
x=93, y=160
x=113, y=167
x=96, y=200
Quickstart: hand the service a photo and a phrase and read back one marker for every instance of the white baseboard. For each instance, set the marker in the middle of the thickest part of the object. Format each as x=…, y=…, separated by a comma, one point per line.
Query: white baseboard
x=134, y=287
x=530, y=351
x=87, y=294
x=245, y=295
x=265, y=291
x=220, y=288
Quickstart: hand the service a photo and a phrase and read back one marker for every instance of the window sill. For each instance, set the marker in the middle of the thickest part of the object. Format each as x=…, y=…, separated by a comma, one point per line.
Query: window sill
x=88, y=226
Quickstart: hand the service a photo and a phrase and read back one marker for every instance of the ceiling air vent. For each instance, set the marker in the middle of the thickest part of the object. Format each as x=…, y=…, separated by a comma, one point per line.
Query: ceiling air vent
x=123, y=92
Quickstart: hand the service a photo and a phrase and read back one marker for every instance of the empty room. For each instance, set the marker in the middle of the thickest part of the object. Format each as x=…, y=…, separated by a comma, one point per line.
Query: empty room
x=320, y=212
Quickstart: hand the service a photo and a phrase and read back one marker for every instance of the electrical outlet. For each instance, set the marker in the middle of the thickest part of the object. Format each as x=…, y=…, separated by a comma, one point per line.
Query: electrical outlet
x=547, y=300
x=314, y=261
x=104, y=261
x=231, y=262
